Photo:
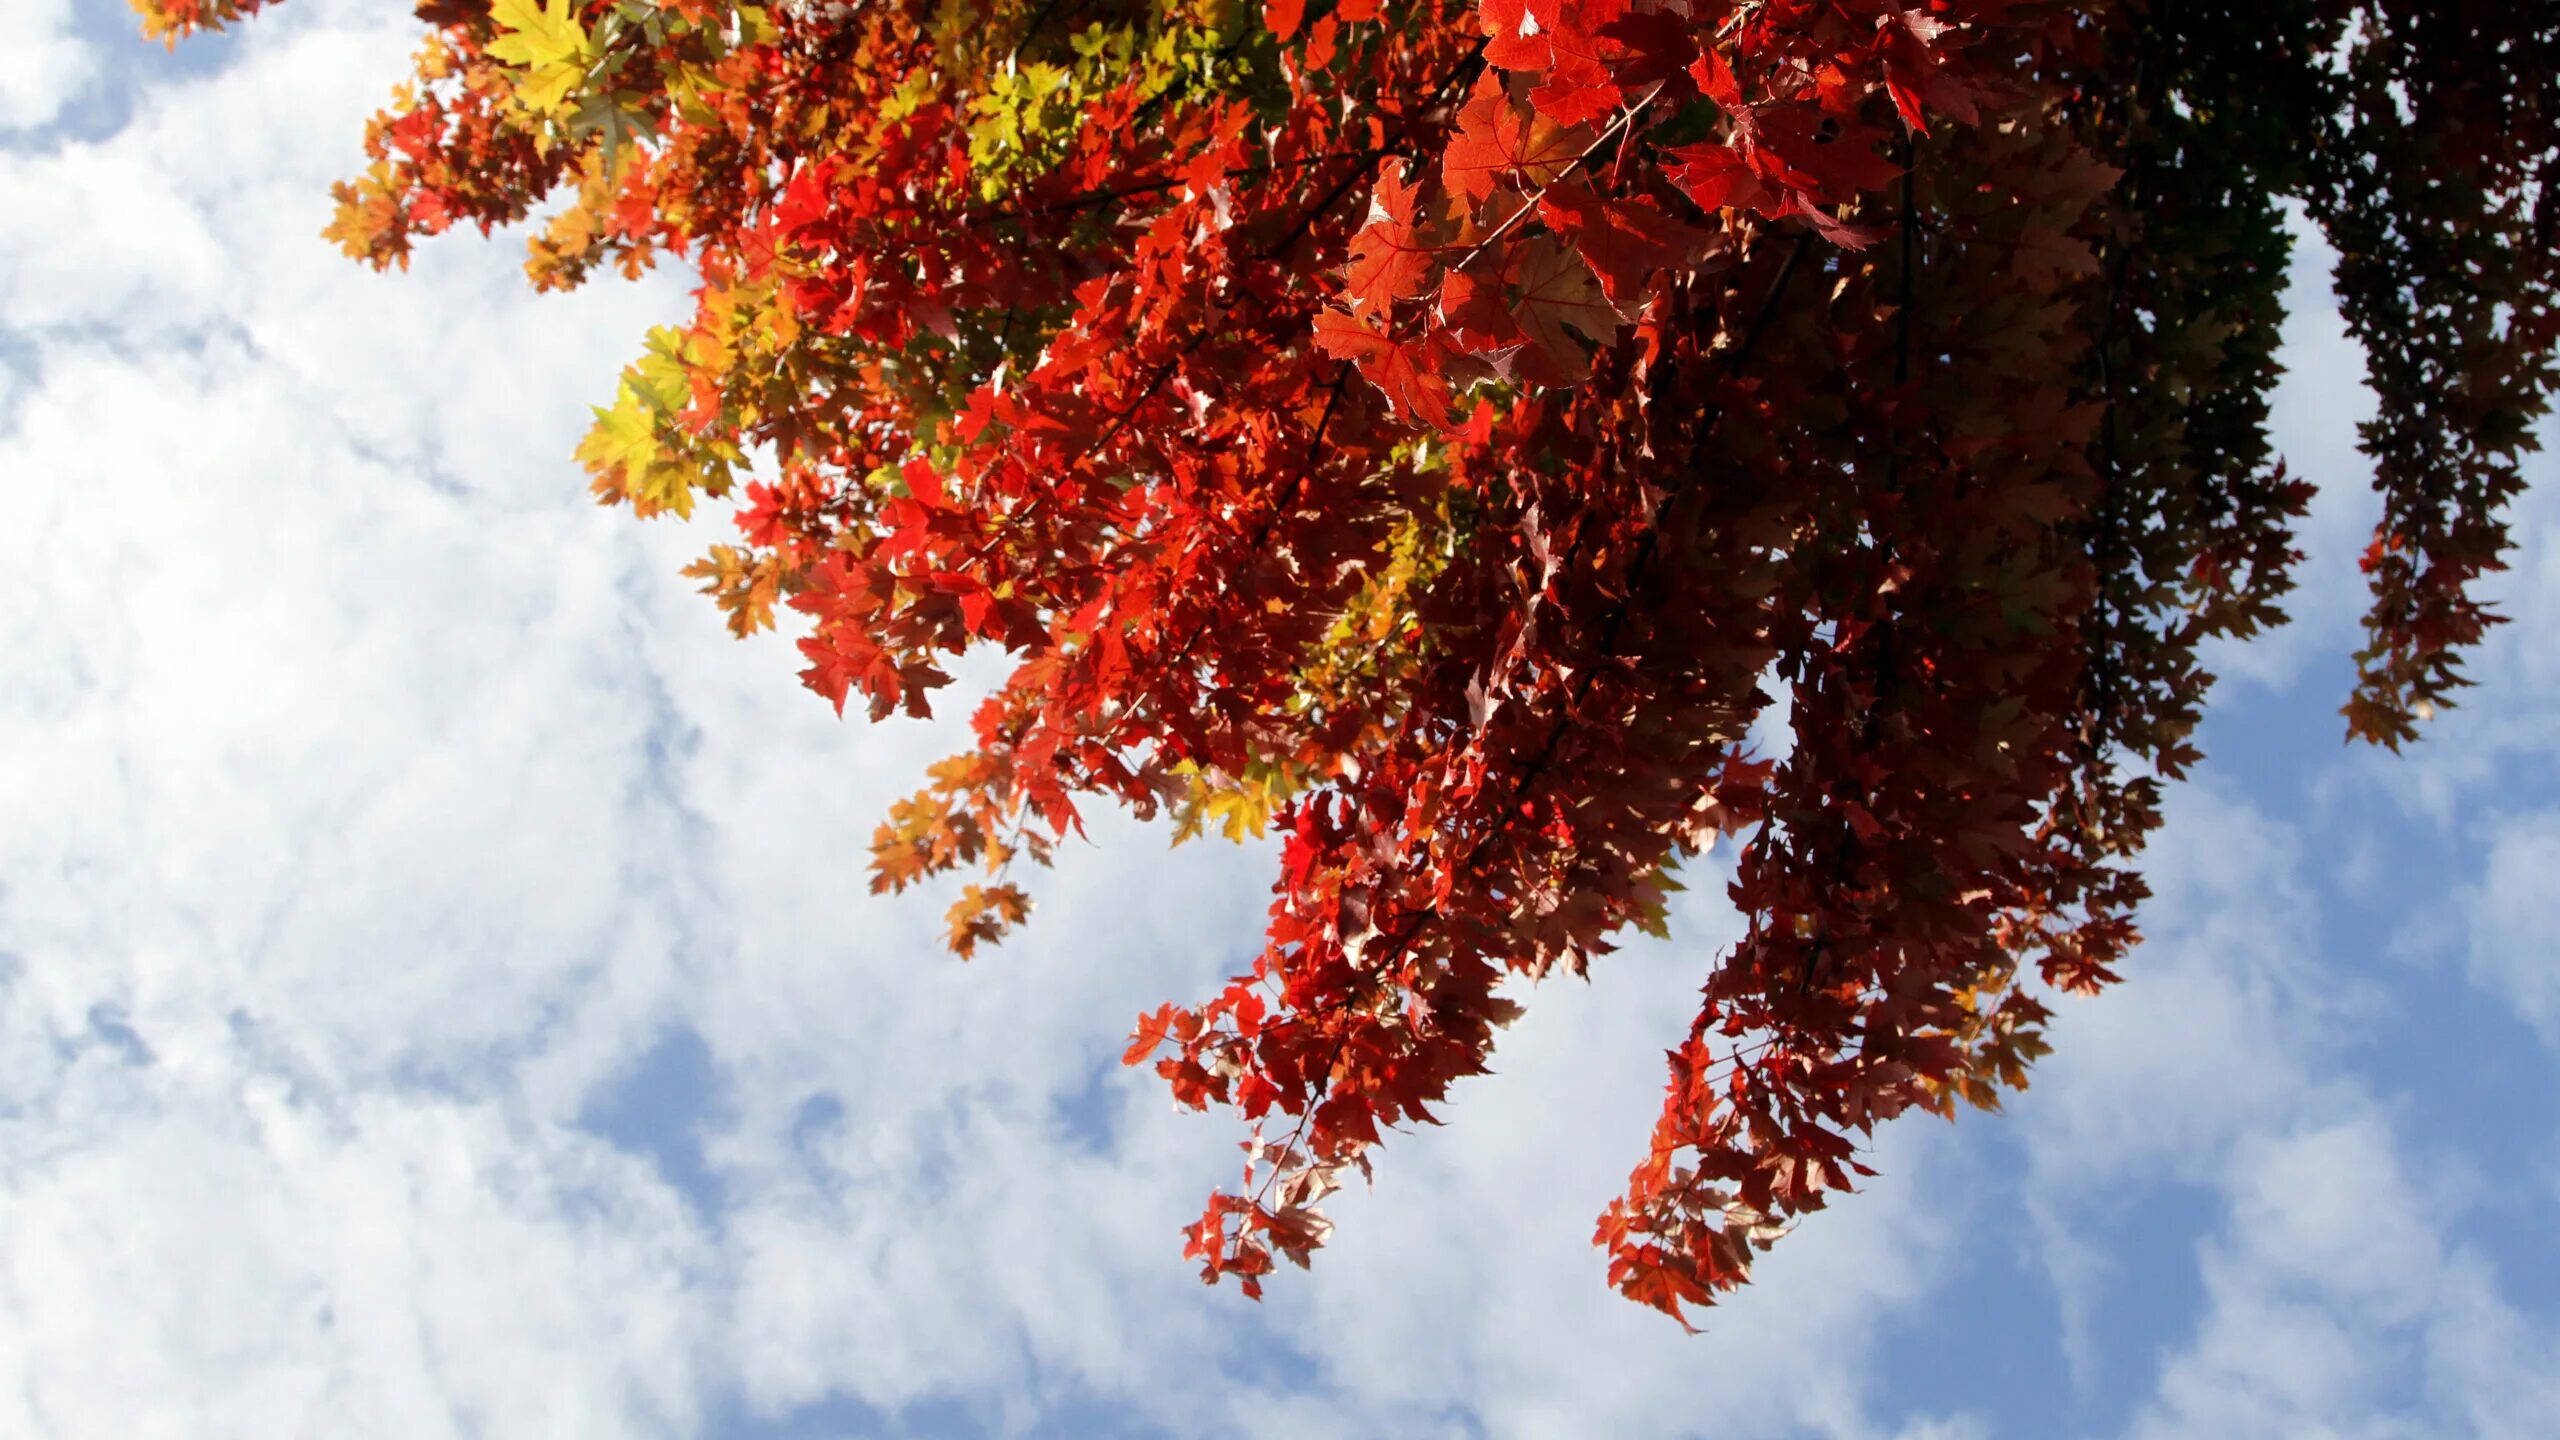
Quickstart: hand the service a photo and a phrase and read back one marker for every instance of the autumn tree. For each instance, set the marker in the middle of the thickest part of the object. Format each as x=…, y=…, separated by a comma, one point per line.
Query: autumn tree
x=1438, y=429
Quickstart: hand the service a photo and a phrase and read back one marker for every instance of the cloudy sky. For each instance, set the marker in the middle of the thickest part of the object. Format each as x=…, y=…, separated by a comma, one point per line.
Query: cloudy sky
x=439, y=994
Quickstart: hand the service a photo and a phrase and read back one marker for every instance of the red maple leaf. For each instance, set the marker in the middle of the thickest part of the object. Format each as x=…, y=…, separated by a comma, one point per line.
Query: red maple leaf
x=1390, y=259
x=1626, y=241
x=1409, y=373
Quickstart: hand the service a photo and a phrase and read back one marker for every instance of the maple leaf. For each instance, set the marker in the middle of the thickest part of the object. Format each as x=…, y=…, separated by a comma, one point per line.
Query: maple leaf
x=1556, y=295
x=1408, y=373
x=1626, y=241
x=1167, y=1021
x=1390, y=260
x=546, y=40
x=1717, y=176
x=983, y=915
x=1518, y=31
x=1497, y=143
x=1282, y=17
x=1475, y=310
x=1835, y=160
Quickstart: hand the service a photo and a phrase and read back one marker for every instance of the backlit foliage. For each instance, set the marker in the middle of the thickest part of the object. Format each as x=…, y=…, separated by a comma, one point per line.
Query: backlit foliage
x=1434, y=429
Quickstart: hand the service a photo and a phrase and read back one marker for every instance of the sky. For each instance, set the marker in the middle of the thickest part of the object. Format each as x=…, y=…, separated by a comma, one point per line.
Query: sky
x=440, y=993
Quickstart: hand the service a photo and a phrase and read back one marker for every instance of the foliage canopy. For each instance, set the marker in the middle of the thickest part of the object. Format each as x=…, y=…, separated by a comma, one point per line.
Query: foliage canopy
x=1433, y=428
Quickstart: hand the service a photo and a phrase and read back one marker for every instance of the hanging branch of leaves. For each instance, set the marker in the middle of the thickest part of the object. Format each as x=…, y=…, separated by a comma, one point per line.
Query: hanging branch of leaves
x=1429, y=430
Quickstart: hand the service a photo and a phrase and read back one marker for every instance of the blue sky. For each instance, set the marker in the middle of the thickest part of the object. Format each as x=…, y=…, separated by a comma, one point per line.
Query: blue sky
x=439, y=992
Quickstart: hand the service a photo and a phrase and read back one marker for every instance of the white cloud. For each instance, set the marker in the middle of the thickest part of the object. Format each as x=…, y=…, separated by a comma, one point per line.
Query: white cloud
x=332, y=788
x=2515, y=927
x=43, y=66
x=198, y=1249
x=2338, y=1295
x=2334, y=1306
x=379, y=803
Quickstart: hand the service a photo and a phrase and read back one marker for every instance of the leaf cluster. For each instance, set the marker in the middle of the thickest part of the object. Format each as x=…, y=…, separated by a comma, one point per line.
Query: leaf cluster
x=1431, y=430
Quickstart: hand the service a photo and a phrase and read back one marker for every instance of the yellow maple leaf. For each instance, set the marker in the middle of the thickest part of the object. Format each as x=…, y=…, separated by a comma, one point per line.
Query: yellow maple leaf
x=534, y=37
x=629, y=459
x=547, y=42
